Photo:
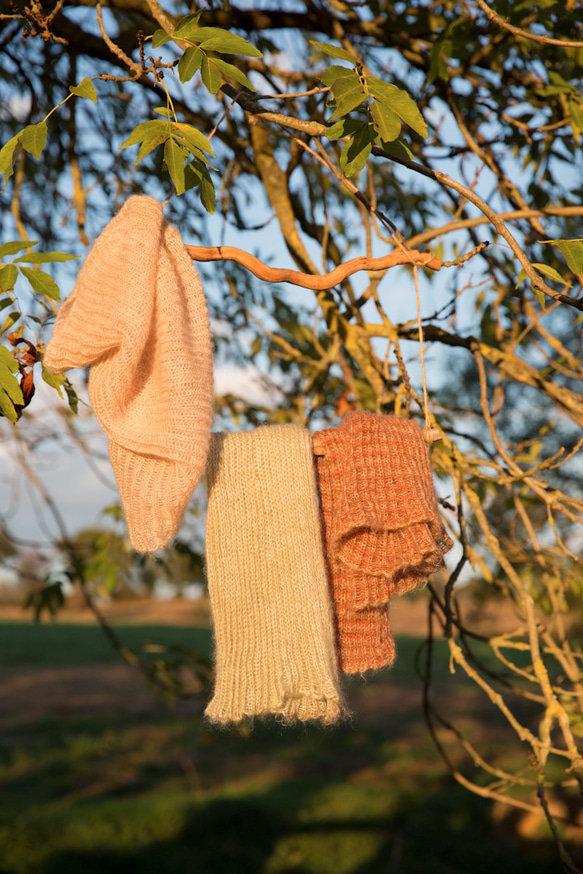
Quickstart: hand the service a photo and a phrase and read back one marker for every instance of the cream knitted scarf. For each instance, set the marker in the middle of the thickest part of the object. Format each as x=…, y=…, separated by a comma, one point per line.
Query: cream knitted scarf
x=138, y=315
x=274, y=634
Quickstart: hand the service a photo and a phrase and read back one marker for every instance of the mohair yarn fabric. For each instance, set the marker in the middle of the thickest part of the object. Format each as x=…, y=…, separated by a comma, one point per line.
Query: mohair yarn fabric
x=274, y=634
x=138, y=315
x=382, y=529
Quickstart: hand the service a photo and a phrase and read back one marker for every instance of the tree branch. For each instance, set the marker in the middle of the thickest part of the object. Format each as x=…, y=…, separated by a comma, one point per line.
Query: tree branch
x=493, y=16
x=492, y=217
x=306, y=280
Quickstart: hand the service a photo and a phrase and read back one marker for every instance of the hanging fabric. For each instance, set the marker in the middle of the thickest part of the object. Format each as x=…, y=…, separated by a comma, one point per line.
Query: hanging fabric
x=139, y=317
x=383, y=533
x=274, y=636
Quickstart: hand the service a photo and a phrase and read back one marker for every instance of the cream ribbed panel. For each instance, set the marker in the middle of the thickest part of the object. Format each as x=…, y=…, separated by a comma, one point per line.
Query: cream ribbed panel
x=274, y=638
x=139, y=317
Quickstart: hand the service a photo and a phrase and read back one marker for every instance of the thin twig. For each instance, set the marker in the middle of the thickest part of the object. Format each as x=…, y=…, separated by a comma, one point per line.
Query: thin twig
x=493, y=16
x=119, y=53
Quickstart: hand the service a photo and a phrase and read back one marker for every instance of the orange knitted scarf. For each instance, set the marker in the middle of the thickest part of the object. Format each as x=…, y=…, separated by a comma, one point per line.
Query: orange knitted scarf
x=382, y=528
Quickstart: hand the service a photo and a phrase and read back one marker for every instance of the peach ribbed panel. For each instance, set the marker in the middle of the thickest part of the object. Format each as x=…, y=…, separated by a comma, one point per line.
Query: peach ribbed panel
x=138, y=315
x=382, y=528
x=274, y=635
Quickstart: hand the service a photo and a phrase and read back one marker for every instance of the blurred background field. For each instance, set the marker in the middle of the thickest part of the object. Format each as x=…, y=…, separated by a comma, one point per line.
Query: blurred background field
x=100, y=775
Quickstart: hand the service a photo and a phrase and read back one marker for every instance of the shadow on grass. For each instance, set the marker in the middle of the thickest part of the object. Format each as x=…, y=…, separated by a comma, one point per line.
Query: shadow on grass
x=446, y=833
x=158, y=792
x=280, y=801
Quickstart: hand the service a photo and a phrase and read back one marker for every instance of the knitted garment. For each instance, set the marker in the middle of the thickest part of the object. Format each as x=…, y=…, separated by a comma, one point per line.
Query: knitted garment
x=382, y=528
x=274, y=634
x=139, y=317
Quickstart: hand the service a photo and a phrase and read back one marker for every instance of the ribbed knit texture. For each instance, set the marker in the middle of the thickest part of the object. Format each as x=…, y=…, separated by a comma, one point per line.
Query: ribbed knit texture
x=139, y=317
x=382, y=528
x=274, y=634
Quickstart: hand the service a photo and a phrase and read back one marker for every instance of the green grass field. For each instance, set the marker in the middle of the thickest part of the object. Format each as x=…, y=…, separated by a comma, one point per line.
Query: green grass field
x=158, y=791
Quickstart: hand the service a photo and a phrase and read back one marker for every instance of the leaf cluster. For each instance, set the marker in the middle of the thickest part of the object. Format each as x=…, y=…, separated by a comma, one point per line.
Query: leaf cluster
x=183, y=141
x=33, y=138
x=386, y=107
x=201, y=42
x=180, y=141
x=16, y=367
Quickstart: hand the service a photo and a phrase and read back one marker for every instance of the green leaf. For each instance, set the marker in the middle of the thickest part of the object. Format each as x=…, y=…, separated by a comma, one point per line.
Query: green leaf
x=551, y=273
x=146, y=130
x=174, y=157
x=41, y=283
x=540, y=297
x=346, y=84
x=521, y=277
x=160, y=37
x=335, y=72
x=333, y=51
x=8, y=276
x=234, y=72
x=557, y=79
x=437, y=62
x=386, y=122
x=149, y=144
x=400, y=102
x=343, y=128
x=45, y=257
x=163, y=110
x=217, y=40
x=34, y=138
x=192, y=176
x=348, y=93
x=573, y=252
x=210, y=75
x=187, y=26
x=207, y=191
x=85, y=88
x=196, y=153
x=347, y=104
x=189, y=63
x=55, y=380
x=399, y=149
x=8, y=155
x=576, y=113
x=193, y=137
x=8, y=382
x=16, y=246
x=552, y=90
x=6, y=360
x=197, y=174
x=7, y=407
x=9, y=321
x=355, y=152
x=72, y=397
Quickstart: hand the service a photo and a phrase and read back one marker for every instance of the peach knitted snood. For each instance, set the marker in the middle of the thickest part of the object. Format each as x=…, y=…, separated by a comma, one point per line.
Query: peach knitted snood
x=139, y=317
x=382, y=528
x=274, y=634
